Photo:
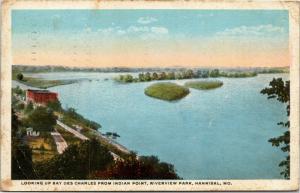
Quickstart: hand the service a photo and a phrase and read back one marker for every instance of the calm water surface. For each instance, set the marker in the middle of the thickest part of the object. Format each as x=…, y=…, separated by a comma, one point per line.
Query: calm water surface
x=215, y=134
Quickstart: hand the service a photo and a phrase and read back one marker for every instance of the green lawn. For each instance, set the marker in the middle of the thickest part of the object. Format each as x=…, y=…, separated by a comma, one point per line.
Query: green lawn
x=204, y=85
x=166, y=91
x=43, y=147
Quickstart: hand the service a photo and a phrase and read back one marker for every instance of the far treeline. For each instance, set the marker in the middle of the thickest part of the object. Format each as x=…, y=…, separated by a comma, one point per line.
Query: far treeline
x=186, y=74
x=50, y=68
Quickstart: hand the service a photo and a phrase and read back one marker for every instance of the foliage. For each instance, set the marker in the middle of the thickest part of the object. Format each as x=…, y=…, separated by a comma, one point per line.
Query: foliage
x=202, y=73
x=18, y=91
x=214, y=73
x=166, y=91
x=54, y=105
x=20, y=76
x=41, y=119
x=20, y=106
x=238, y=74
x=14, y=124
x=22, y=166
x=21, y=163
x=203, y=85
x=142, y=168
x=182, y=74
x=280, y=91
x=77, y=162
x=29, y=107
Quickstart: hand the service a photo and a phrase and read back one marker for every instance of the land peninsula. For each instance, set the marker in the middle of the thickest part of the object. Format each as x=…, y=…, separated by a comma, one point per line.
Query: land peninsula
x=38, y=82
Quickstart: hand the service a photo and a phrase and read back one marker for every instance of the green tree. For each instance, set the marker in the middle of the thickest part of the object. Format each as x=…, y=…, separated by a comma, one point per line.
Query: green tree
x=146, y=167
x=189, y=74
x=178, y=76
x=20, y=106
x=214, y=73
x=22, y=166
x=77, y=162
x=20, y=76
x=141, y=77
x=21, y=154
x=280, y=91
x=171, y=76
x=14, y=124
x=204, y=74
x=18, y=91
x=162, y=76
x=147, y=76
x=29, y=107
x=154, y=76
x=54, y=105
x=42, y=119
x=128, y=78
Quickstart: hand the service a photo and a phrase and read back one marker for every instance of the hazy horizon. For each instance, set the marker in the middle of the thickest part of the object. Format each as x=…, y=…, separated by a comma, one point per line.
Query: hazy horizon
x=212, y=66
x=151, y=38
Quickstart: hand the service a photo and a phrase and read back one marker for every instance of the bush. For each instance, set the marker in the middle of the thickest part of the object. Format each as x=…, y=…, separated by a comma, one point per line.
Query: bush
x=77, y=162
x=146, y=167
x=20, y=76
x=42, y=119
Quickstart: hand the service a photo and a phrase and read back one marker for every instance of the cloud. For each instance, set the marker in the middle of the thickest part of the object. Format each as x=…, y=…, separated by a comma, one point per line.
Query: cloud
x=260, y=30
x=138, y=31
x=159, y=30
x=146, y=20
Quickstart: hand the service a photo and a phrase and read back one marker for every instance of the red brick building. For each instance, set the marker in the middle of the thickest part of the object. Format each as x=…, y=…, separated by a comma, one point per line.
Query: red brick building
x=40, y=96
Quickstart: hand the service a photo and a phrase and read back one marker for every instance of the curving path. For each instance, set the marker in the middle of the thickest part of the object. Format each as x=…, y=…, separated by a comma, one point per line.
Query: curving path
x=61, y=144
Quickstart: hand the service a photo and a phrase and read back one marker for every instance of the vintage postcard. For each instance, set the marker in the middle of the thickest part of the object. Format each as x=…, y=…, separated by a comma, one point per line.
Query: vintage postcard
x=149, y=95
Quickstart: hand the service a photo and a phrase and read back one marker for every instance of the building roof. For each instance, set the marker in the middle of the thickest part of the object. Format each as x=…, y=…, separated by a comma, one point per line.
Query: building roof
x=39, y=91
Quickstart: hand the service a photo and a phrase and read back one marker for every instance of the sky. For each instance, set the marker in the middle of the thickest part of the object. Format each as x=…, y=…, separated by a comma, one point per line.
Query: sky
x=151, y=38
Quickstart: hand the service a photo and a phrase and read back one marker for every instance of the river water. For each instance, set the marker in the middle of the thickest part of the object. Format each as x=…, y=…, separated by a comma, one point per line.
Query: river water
x=215, y=134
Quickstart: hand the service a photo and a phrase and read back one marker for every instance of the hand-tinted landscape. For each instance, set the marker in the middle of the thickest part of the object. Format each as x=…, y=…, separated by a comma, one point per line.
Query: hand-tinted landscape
x=150, y=94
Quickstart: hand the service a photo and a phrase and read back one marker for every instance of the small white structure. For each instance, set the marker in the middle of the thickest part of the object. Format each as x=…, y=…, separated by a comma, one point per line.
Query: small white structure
x=60, y=142
x=30, y=132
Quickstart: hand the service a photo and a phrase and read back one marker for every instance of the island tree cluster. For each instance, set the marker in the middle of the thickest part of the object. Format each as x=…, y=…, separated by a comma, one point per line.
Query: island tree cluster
x=181, y=74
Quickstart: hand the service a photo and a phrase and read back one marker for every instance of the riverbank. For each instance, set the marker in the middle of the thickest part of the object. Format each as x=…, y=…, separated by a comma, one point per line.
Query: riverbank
x=72, y=126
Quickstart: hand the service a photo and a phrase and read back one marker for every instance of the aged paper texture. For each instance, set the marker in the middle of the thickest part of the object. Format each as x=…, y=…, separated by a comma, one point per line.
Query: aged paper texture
x=149, y=95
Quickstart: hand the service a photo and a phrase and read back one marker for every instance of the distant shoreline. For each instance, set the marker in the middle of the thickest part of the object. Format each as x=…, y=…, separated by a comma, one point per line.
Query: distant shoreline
x=49, y=68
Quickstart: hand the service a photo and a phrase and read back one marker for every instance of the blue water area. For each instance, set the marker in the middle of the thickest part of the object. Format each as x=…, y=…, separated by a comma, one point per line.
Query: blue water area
x=213, y=134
